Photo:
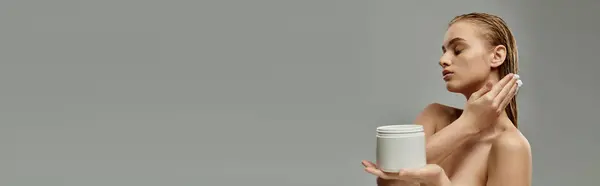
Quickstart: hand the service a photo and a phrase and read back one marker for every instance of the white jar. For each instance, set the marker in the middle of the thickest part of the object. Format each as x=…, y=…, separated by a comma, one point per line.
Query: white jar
x=400, y=147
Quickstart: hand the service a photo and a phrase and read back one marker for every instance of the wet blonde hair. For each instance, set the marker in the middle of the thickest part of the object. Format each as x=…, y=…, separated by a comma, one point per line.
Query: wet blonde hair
x=496, y=32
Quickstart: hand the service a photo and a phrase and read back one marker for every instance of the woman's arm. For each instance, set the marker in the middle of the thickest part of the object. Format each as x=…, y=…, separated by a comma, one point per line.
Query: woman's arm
x=510, y=161
x=442, y=143
x=509, y=164
x=482, y=109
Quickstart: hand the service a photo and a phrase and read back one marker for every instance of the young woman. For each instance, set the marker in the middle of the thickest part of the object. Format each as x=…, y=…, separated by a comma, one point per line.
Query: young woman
x=480, y=145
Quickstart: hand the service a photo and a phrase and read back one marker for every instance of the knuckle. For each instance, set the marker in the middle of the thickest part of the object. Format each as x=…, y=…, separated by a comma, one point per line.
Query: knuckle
x=496, y=106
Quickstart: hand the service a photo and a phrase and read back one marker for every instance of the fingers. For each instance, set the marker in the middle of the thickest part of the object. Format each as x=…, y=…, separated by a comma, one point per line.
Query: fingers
x=504, y=93
x=371, y=167
x=487, y=87
x=375, y=171
x=421, y=174
x=412, y=174
x=406, y=174
x=424, y=174
x=381, y=174
x=511, y=94
x=498, y=87
x=368, y=164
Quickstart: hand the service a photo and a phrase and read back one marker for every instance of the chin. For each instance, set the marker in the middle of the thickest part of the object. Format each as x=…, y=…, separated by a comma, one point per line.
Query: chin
x=452, y=89
x=453, y=86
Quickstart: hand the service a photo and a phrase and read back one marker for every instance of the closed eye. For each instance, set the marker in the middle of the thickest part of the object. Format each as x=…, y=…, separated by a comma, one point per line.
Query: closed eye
x=459, y=48
x=457, y=44
x=457, y=52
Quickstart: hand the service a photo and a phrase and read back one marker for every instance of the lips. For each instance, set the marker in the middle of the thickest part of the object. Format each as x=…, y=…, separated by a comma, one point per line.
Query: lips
x=446, y=74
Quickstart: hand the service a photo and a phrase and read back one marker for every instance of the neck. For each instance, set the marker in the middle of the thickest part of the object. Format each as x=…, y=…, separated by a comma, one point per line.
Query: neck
x=493, y=78
x=503, y=122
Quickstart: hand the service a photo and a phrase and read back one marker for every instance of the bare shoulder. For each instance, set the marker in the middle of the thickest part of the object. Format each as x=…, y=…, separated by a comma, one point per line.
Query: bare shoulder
x=511, y=141
x=437, y=116
x=510, y=160
x=511, y=147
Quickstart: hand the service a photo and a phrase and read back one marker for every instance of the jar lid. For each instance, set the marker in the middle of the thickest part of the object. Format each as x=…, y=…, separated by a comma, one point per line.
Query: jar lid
x=400, y=129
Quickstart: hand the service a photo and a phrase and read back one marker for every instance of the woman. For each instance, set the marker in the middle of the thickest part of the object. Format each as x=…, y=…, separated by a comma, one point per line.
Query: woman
x=480, y=145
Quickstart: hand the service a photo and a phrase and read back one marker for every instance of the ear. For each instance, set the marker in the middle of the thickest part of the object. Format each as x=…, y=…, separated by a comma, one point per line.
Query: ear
x=498, y=56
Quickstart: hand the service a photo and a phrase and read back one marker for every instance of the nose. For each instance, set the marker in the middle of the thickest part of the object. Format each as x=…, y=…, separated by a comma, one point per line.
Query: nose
x=444, y=61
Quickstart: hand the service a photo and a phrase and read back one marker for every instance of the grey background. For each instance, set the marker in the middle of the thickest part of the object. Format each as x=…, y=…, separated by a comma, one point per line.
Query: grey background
x=134, y=92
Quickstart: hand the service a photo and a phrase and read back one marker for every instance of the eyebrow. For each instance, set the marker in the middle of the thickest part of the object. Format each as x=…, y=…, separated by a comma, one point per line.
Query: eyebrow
x=452, y=41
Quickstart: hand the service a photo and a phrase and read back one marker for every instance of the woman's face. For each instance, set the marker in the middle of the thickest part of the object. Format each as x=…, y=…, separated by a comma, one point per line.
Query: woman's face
x=465, y=58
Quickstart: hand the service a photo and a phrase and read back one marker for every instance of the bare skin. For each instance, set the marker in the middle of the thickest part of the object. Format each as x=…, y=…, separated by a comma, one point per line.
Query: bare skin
x=498, y=156
x=477, y=146
x=476, y=163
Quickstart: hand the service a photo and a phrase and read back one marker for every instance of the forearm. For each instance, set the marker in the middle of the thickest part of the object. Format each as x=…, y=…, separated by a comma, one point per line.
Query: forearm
x=441, y=144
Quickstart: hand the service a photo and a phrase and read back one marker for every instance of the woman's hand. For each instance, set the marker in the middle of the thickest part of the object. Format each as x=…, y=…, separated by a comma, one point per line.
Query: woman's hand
x=484, y=106
x=430, y=174
x=384, y=182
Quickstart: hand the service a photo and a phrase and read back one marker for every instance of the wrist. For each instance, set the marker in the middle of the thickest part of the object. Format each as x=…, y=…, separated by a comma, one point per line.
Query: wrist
x=443, y=180
x=469, y=125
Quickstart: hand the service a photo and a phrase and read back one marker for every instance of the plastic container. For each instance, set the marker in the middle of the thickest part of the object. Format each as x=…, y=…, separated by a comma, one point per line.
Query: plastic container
x=400, y=147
